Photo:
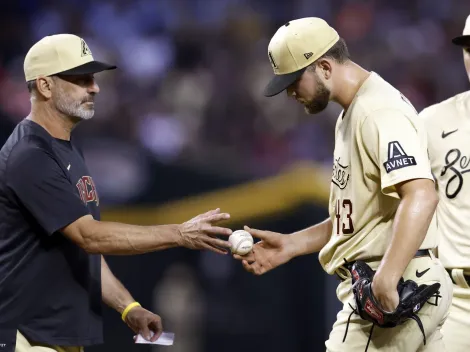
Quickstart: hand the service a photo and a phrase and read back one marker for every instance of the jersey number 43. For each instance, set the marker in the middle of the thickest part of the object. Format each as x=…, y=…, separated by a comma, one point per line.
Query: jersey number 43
x=344, y=223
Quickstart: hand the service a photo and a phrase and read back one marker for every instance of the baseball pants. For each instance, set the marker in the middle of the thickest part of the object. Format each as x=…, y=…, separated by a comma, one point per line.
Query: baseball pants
x=456, y=327
x=23, y=345
x=403, y=338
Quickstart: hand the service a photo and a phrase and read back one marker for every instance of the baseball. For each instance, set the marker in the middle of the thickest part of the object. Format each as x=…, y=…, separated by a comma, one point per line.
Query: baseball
x=241, y=241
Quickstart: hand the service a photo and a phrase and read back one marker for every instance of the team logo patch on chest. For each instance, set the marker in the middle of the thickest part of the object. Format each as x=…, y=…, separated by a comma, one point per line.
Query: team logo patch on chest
x=397, y=158
x=341, y=174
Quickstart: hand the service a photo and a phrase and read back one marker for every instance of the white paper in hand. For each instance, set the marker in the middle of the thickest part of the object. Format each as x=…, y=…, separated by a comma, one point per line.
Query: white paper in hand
x=165, y=339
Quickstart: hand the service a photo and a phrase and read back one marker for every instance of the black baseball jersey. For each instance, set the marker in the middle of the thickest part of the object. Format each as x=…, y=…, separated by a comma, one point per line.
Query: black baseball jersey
x=50, y=288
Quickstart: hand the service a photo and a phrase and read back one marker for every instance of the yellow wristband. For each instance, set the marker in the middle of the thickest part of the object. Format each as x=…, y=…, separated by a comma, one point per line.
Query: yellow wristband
x=128, y=309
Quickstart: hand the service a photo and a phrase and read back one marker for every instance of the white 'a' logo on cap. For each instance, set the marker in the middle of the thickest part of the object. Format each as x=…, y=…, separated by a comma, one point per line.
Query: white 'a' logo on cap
x=85, y=49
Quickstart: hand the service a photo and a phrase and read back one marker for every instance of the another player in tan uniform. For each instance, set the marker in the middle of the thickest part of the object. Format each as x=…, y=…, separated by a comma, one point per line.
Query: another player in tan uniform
x=382, y=197
x=448, y=126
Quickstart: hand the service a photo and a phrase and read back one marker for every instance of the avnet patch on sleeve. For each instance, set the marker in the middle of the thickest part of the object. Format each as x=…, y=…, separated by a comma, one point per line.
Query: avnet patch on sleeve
x=397, y=157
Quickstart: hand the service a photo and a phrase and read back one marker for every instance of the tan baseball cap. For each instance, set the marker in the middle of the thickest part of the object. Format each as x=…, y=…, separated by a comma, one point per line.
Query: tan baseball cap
x=64, y=54
x=293, y=47
x=464, y=39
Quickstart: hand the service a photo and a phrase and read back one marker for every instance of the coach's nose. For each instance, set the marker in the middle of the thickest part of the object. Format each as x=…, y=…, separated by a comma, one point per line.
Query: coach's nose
x=94, y=87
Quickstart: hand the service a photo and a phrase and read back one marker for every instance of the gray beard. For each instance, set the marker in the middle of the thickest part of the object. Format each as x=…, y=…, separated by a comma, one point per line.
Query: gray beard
x=71, y=108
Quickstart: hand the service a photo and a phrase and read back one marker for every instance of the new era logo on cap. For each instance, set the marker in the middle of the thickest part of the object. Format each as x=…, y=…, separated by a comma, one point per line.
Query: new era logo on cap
x=64, y=54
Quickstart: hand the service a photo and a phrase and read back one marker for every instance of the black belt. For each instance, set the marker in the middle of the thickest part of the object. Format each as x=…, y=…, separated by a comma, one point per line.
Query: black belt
x=419, y=253
x=423, y=253
x=466, y=277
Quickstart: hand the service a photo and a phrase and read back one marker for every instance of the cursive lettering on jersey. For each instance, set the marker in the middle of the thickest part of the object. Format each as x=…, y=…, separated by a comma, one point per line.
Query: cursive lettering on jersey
x=456, y=165
x=340, y=175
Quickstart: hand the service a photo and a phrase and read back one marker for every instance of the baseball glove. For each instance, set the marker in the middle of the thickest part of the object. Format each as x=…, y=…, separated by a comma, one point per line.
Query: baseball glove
x=412, y=299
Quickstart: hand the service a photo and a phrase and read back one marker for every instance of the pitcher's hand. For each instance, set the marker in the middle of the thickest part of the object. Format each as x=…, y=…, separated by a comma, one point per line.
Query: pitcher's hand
x=273, y=250
x=385, y=292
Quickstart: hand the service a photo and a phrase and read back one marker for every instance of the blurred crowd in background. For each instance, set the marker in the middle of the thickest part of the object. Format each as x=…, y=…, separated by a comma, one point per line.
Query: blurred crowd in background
x=189, y=86
x=185, y=113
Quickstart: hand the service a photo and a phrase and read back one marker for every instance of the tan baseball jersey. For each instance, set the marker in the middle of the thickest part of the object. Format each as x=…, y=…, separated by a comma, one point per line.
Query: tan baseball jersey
x=379, y=142
x=448, y=127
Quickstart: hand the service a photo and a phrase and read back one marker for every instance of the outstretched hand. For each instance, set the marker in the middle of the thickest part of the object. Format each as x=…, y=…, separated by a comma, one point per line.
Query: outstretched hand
x=273, y=250
x=199, y=232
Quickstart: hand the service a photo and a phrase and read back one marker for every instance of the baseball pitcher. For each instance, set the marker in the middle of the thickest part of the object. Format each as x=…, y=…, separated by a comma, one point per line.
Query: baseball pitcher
x=380, y=236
